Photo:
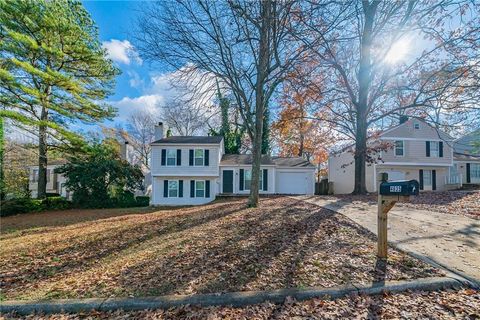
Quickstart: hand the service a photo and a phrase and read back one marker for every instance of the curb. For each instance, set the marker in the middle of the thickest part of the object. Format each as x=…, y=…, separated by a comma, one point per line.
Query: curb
x=235, y=299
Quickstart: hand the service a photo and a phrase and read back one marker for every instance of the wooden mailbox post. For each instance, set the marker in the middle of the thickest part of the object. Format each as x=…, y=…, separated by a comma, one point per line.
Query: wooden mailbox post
x=390, y=192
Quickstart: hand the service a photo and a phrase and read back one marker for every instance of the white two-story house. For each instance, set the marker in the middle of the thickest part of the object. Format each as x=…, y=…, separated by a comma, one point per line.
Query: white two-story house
x=418, y=152
x=193, y=170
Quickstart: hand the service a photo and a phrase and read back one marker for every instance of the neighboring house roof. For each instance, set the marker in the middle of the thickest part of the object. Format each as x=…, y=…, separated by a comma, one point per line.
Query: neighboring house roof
x=465, y=157
x=52, y=163
x=298, y=162
x=190, y=140
x=466, y=144
x=239, y=159
x=247, y=159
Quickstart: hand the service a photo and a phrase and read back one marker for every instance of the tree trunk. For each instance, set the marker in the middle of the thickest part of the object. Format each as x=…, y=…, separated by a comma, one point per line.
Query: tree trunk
x=42, y=157
x=260, y=103
x=364, y=82
x=2, y=164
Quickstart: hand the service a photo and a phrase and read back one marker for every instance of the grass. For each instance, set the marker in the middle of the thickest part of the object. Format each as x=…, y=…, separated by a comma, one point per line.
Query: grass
x=219, y=247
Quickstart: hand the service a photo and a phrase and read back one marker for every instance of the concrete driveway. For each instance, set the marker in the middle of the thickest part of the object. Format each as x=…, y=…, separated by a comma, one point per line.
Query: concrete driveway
x=452, y=241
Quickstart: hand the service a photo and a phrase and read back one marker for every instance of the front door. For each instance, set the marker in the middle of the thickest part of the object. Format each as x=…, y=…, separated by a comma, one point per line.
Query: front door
x=227, y=181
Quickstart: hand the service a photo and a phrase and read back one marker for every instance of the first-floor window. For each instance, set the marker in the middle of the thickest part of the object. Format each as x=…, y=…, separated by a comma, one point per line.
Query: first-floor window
x=35, y=175
x=171, y=157
x=475, y=170
x=399, y=149
x=427, y=177
x=199, y=188
x=172, y=188
x=248, y=179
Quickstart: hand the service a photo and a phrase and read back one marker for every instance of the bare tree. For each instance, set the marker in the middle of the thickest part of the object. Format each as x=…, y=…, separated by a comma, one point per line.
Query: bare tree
x=370, y=83
x=186, y=119
x=141, y=132
x=246, y=44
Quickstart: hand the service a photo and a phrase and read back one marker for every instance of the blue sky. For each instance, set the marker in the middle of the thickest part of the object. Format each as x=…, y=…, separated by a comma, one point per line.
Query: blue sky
x=140, y=85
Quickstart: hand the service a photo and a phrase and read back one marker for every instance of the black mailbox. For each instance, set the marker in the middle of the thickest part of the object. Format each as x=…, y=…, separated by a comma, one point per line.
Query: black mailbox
x=400, y=188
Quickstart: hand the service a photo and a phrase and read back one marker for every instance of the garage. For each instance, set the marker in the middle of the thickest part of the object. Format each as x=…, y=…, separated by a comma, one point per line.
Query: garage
x=294, y=182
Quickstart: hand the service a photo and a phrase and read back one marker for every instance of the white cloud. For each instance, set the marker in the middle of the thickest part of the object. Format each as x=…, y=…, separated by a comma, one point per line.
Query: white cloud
x=122, y=51
x=135, y=80
x=127, y=106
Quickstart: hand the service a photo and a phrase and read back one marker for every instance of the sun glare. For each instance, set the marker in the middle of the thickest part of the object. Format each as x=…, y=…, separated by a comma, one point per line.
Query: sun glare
x=398, y=51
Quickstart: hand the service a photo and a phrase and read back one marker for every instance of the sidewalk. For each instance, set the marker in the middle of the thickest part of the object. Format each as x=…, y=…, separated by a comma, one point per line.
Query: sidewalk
x=449, y=240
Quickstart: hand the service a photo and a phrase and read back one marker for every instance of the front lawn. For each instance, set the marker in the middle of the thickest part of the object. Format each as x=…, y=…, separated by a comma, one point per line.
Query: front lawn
x=219, y=247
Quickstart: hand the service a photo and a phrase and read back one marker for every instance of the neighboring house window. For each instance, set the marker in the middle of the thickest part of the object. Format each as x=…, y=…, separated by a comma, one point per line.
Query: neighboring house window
x=199, y=188
x=172, y=188
x=399, y=148
x=248, y=180
x=48, y=175
x=416, y=125
x=199, y=157
x=35, y=175
x=171, y=157
x=475, y=170
x=434, y=149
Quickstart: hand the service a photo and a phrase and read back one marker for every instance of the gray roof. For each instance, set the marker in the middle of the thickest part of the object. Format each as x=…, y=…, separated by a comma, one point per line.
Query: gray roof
x=236, y=159
x=465, y=157
x=298, y=162
x=247, y=159
x=466, y=144
x=191, y=139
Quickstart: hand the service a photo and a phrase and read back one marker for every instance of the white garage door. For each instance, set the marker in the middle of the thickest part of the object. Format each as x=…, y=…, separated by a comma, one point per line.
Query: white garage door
x=293, y=182
x=395, y=175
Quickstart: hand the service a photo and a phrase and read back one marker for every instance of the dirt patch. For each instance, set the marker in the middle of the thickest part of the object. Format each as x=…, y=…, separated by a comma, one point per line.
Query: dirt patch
x=463, y=304
x=465, y=203
x=219, y=247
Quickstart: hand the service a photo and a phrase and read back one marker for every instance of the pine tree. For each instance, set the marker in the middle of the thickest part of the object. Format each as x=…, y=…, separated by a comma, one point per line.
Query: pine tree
x=53, y=71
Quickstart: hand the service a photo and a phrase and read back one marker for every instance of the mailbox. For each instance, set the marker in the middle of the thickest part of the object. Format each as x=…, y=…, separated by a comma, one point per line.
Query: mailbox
x=400, y=188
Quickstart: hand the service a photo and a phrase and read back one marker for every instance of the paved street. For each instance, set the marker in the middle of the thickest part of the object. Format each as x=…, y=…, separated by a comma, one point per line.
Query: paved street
x=450, y=240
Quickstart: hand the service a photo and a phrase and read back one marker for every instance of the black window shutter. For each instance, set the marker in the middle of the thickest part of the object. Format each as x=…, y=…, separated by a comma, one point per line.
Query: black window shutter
x=265, y=179
x=180, y=188
x=179, y=157
x=207, y=157
x=241, y=179
x=440, y=149
x=468, y=173
x=192, y=188
x=207, y=189
x=164, y=156
x=427, y=148
x=190, y=157
x=434, y=180
x=421, y=179
x=165, y=188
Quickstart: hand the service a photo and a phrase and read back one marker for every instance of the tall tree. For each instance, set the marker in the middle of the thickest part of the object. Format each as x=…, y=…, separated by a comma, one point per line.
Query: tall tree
x=53, y=71
x=386, y=58
x=141, y=132
x=245, y=44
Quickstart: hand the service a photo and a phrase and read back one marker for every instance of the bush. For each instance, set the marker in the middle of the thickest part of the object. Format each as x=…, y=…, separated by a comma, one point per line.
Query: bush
x=142, y=201
x=24, y=205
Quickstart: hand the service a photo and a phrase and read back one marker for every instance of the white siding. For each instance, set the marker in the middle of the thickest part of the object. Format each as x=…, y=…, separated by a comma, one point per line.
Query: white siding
x=185, y=169
x=159, y=200
x=341, y=171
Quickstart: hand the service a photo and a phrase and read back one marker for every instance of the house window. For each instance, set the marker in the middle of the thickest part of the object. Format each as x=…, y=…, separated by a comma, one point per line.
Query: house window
x=199, y=188
x=35, y=175
x=399, y=148
x=248, y=180
x=172, y=188
x=434, y=148
x=427, y=177
x=475, y=170
x=171, y=157
x=199, y=157
x=416, y=125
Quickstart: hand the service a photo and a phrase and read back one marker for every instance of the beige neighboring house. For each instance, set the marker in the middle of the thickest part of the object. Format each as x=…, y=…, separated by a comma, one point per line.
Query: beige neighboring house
x=55, y=181
x=419, y=152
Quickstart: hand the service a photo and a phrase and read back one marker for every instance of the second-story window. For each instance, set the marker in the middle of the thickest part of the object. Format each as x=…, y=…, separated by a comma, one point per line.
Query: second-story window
x=399, y=148
x=199, y=157
x=434, y=149
x=416, y=125
x=171, y=157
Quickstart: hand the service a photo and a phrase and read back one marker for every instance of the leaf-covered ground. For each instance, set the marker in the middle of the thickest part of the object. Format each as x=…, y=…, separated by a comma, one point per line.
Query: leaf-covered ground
x=465, y=203
x=464, y=304
x=220, y=247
